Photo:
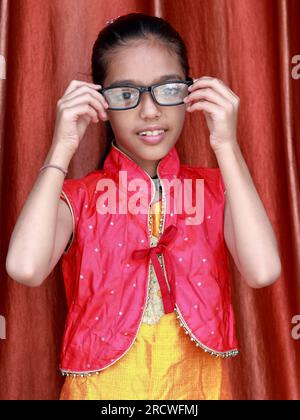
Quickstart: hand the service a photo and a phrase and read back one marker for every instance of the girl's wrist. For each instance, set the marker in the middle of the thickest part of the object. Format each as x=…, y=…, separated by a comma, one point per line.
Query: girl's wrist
x=59, y=155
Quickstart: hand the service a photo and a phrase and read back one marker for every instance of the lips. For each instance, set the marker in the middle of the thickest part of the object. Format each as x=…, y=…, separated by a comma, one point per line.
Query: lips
x=152, y=128
x=153, y=139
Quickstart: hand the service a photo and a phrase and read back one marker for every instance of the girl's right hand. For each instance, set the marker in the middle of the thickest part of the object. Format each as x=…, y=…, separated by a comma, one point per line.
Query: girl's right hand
x=79, y=104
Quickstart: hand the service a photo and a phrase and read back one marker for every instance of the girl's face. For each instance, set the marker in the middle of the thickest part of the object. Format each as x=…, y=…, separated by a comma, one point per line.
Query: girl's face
x=145, y=63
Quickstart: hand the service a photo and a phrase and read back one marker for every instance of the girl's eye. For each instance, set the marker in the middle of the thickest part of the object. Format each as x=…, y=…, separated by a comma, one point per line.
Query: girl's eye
x=124, y=95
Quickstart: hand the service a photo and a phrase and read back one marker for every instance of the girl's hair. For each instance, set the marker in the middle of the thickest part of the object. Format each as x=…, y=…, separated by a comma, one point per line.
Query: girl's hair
x=131, y=27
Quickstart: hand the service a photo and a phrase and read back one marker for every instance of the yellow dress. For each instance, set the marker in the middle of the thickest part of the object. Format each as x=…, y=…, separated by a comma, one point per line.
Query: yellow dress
x=162, y=364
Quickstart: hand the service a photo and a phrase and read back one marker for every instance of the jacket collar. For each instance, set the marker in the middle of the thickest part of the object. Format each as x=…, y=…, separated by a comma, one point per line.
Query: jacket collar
x=116, y=160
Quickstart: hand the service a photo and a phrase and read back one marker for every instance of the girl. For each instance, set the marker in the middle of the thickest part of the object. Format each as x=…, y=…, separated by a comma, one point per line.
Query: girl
x=150, y=313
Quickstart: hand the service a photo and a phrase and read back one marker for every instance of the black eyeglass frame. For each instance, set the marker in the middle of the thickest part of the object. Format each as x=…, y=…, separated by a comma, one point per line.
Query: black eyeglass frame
x=142, y=89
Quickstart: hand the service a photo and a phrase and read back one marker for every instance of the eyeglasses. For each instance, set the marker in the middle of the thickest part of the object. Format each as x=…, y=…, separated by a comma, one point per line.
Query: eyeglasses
x=170, y=93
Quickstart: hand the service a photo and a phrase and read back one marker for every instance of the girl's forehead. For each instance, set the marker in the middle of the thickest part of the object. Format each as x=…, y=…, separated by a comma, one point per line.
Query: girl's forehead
x=143, y=63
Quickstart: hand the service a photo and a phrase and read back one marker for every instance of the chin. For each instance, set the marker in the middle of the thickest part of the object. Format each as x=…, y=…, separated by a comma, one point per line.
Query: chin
x=141, y=150
x=154, y=152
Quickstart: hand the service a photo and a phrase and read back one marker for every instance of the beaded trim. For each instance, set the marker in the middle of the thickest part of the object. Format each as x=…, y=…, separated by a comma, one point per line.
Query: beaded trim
x=183, y=324
x=68, y=246
x=227, y=354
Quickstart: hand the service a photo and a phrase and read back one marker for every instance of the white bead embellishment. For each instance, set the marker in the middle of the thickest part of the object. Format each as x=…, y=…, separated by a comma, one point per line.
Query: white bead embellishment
x=90, y=226
x=227, y=354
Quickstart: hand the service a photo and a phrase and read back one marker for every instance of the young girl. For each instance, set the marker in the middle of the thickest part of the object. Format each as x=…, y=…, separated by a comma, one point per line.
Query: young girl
x=150, y=313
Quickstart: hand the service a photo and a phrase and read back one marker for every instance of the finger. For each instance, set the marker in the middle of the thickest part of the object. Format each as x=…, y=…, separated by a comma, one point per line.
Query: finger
x=81, y=109
x=86, y=98
x=74, y=84
x=214, y=83
x=87, y=89
x=209, y=94
x=206, y=106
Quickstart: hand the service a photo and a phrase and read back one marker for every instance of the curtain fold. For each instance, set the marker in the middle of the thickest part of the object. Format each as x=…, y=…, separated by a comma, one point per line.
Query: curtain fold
x=252, y=45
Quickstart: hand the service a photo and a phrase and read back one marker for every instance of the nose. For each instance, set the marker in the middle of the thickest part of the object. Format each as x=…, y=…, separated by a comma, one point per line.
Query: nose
x=149, y=108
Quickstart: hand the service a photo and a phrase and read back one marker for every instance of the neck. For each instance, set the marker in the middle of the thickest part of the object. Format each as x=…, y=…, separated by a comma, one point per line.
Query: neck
x=149, y=166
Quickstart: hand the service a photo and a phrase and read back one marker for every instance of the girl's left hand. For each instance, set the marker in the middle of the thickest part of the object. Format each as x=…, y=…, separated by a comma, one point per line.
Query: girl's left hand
x=220, y=106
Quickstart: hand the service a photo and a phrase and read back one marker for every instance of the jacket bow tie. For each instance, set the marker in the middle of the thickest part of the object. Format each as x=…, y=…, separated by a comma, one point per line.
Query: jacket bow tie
x=168, y=293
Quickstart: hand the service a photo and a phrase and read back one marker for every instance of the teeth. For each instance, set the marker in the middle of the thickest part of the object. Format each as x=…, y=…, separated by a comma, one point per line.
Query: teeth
x=151, y=133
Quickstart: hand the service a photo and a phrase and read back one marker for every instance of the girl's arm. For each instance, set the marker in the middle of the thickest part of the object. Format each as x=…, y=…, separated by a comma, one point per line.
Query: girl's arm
x=44, y=225
x=247, y=229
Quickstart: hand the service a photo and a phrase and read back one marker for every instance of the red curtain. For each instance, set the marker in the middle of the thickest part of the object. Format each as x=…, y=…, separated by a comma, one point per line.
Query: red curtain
x=254, y=47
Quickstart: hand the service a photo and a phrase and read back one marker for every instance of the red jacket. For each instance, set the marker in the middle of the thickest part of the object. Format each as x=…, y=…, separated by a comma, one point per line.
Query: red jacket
x=106, y=265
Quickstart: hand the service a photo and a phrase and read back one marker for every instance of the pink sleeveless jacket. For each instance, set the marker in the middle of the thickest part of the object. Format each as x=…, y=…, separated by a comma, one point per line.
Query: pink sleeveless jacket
x=106, y=264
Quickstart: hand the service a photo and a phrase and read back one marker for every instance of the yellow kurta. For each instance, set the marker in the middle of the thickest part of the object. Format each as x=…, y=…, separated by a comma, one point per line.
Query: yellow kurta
x=162, y=364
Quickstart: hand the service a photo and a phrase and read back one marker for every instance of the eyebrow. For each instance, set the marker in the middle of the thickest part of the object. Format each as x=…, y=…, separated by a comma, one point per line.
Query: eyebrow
x=135, y=82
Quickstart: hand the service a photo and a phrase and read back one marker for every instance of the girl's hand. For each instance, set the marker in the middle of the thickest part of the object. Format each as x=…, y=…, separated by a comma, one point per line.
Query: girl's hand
x=80, y=104
x=220, y=106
